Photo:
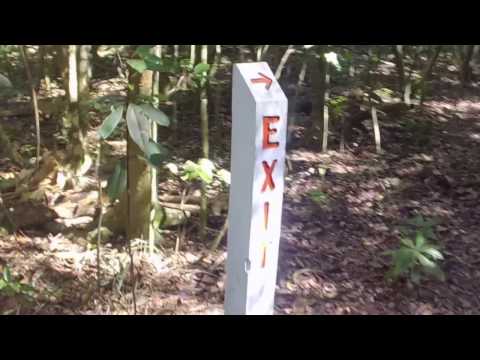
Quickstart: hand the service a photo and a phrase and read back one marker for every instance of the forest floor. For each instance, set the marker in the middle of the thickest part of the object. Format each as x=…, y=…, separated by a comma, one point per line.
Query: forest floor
x=331, y=249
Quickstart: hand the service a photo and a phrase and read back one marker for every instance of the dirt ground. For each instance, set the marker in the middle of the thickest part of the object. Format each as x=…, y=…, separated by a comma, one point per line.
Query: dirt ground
x=331, y=258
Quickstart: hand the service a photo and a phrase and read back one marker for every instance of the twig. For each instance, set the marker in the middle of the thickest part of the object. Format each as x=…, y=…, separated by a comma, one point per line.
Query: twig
x=100, y=216
x=132, y=275
x=220, y=236
x=182, y=229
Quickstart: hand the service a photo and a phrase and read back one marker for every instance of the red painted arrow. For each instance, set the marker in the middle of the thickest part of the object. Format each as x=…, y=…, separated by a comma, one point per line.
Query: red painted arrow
x=264, y=79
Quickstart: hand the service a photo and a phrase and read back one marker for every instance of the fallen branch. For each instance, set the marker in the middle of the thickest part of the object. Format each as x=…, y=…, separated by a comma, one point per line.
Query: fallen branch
x=220, y=236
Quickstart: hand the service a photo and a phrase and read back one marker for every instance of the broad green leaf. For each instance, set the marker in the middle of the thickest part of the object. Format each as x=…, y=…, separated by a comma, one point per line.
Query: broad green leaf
x=156, y=153
x=138, y=126
x=153, y=62
x=111, y=123
x=404, y=259
x=407, y=242
x=156, y=115
x=117, y=183
x=206, y=167
x=137, y=64
x=425, y=261
x=144, y=50
x=201, y=68
x=434, y=253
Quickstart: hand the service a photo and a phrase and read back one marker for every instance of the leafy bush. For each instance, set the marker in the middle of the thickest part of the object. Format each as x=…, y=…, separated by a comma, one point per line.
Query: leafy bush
x=10, y=287
x=318, y=197
x=413, y=260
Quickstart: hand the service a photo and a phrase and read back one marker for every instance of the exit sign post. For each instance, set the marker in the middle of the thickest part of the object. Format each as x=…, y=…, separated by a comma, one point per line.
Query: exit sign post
x=259, y=127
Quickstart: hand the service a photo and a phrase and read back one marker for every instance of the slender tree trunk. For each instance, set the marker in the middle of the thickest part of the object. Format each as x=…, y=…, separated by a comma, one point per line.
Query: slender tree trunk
x=45, y=66
x=428, y=71
x=83, y=84
x=325, y=107
x=465, y=71
x=100, y=214
x=77, y=133
x=373, y=109
x=318, y=75
x=154, y=174
x=193, y=54
x=34, y=101
x=62, y=65
x=376, y=128
x=283, y=61
x=205, y=147
x=293, y=106
x=398, y=51
x=139, y=174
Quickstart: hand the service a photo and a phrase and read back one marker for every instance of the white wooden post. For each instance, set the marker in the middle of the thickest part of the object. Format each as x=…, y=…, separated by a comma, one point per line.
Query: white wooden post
x=259, y=126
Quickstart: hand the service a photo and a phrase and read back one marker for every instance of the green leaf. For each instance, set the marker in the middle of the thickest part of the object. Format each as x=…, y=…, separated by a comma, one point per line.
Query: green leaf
x=407, y=242
x=138, y=126
x=138, y=65
x=156, y=153
x=156, y=115
x=434, y=253
x=202, y=171
x=206, y=167
x=201, y=68
x=425, y=261
x=159, y=216
x=404, y=259
x=153, y=62
x=144, y=50
x=111, y=123
x=420, y=240
x=7, y=276
x=117, y=183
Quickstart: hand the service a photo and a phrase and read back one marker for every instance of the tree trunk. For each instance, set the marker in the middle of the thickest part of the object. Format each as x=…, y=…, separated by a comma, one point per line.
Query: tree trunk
x=318, y=75
x=83, y=84
x=34, y=102
x=466, y=70
x=325, y=108
x=283, y=61
x=293, y=106
x=205, y=147
x=139, y=174
x=428, y=71
x=193, y=54
x=398, y=51
x=77, y=133
x=62, y=65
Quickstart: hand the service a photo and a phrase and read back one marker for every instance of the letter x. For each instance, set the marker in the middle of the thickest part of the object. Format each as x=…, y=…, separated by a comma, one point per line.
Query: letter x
x=268, y=173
